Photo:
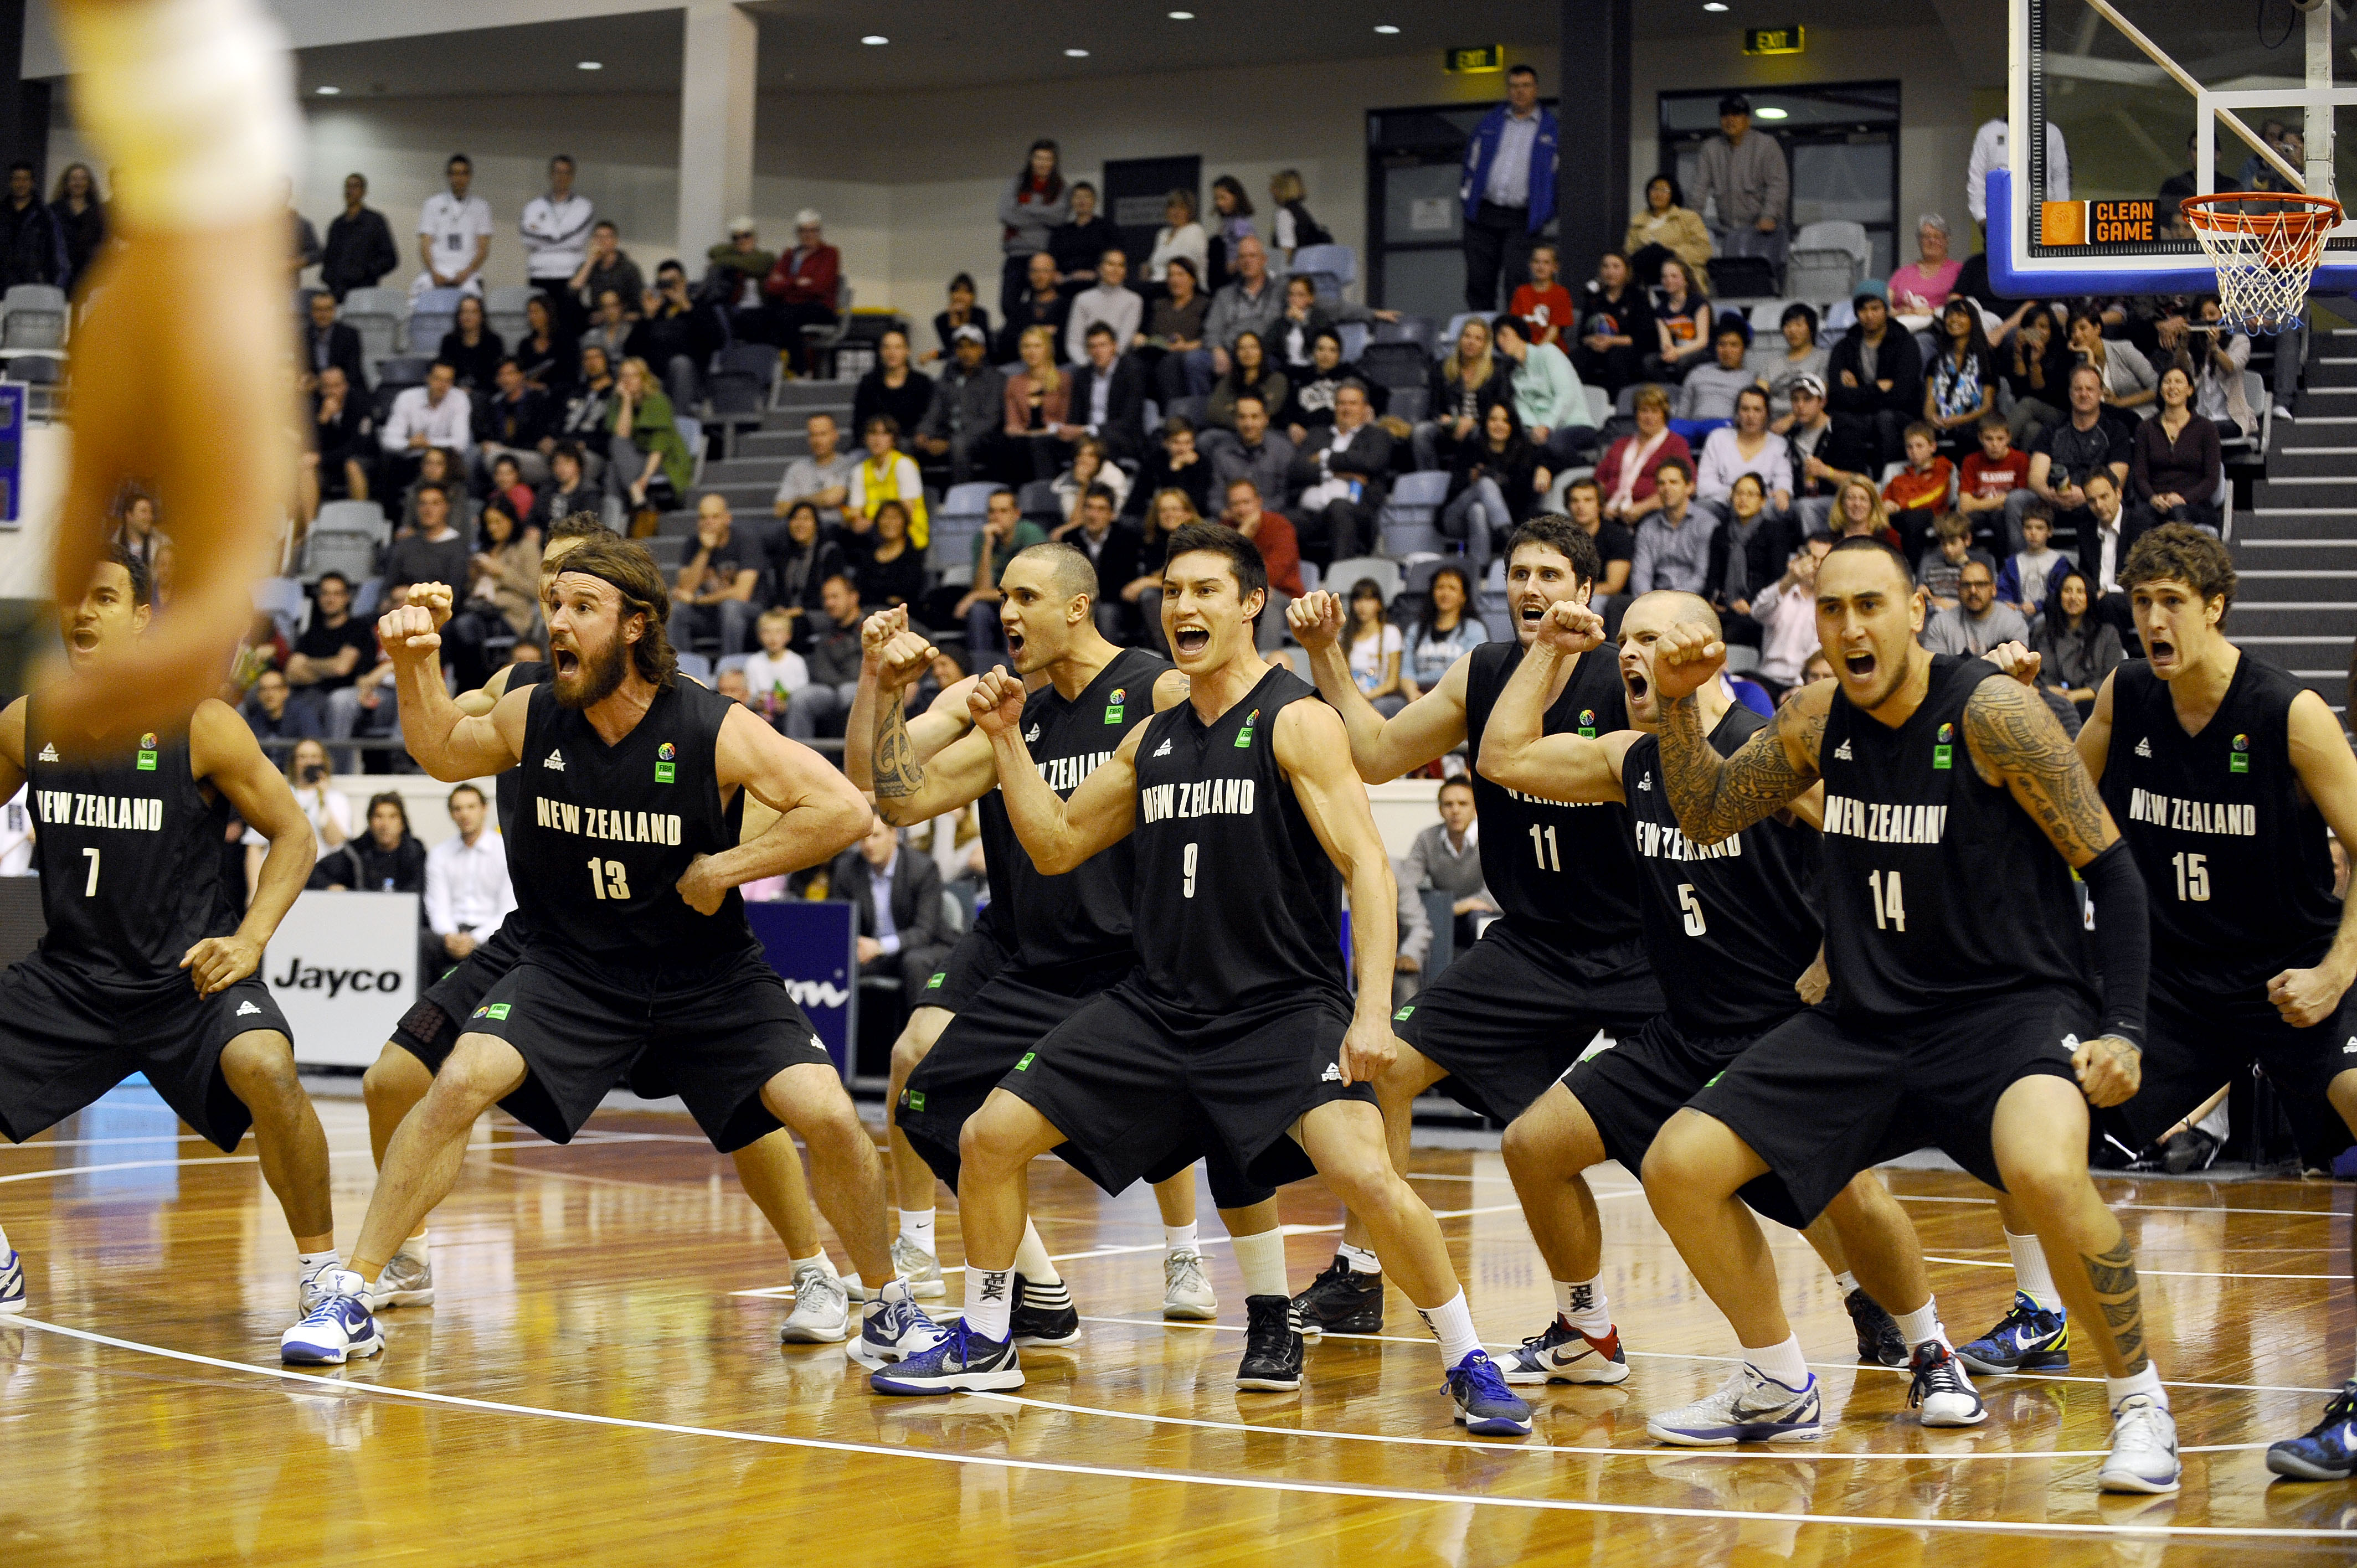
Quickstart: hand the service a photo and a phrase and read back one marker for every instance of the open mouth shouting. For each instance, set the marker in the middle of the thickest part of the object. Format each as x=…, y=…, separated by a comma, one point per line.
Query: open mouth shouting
x=84, y=639
x=1634, y=680
x=1190, y=640
x=1859, y=664
x=1015, y=641
x=564, y=661
x=1529, y=612
x=2160, y=650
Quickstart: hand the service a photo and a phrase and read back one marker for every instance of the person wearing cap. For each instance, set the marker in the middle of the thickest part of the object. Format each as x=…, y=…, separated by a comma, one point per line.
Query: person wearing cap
x=1875, y=383
x=969, y=404
x=1508, y=191
x=1745, y=172
x=1808, y=435
x=801, y=288
x=737, y=266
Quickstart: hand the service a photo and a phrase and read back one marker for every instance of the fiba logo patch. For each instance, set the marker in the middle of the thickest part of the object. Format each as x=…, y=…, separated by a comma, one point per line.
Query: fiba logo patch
x=1588, y=722
x=1943, y=749
x=147, y=752
x=663, y=763
x=2240, y=761
x=1113, y=705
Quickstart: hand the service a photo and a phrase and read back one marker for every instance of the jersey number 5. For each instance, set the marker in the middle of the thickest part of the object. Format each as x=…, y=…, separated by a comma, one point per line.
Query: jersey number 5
x=1692, y=907
x=608, y=878
x=1890, y=903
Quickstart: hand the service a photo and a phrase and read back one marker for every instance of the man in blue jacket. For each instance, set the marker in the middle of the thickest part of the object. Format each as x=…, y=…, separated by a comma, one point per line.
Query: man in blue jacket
x=1508, y=191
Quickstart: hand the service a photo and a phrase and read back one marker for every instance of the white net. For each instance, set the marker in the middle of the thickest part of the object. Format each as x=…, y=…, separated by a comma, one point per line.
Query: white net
x=2265, y=250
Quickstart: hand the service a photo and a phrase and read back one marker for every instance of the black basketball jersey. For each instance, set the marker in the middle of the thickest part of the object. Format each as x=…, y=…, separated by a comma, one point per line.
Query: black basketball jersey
x=1728, y=926
x=129, y=853
x=1234, y=904
x=1561, y=873
x=1083, y=914
x=2237, y=869
x=508, y=788
x=603, y=833
x=1939, y=888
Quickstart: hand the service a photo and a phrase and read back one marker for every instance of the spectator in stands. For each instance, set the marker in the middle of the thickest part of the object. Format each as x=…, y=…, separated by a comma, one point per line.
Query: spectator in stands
x=1080, y=240
x=1467, y=380
x=1919, y=491
x=2104, y=540
x=437, y=466
x=434, y=551
x=1746, y=173
x=1673, y=542
x=1309, y=399
x=389, y=859
x=1754, y=541
x=2174, y=463
x=454, y=233
x=962, y=312
x=32, y=245
x=508, y=485
x=969, y=402
x=1961, y=390
x=1292, y=334
x=436, y=414
x=610, y=324
x=2076, y=648
x=1446, y=630
x=886, y=474
x=774, y=672
x=833, y=660
x=802, y=289
x=81, y=219
x=1507, y=191
x=587, y=409
x=2127, y=376
x=1232, y=219
x=895, y=389
x=1041, y=304
x=1448, y=856
x=1249, y=370
x=1280, y=550
x=1548, y=398
x=2069, y=453
x=802, y=560
x=342, y=434
x=643, y=441
x=1108, y=395
x=272, y=716
x=1112, y=547
x=501, y=593
x=1249, y=302
x=1616, y=543
x=1253, y=451
x=551, y=360
x=823, y=477
x=567, y=492
x=1494, y=484
x=1092, y=464
x=467, y=895
x=1373, y=645
x=1166, y=513
x=1180, y=235
x=1667, y=230
x=1746, y=447
x=1110, y=304
x=326, y=806
x=555, y=229
x=1977, y=622
x=1877, y=386
x=675, y=336
x=1038, y=404
x=1919, y=289
x=1787, y=613
x=1942, y=567
x=1028, y=214
x=359, y=249
x=1682, y=322
x=2035, y=365
x=1174, y=327
x=2027, y=582
x=328, y=654
x=1706, y=394
x=1344, y=475
x=1178, y=463
x=1005, y=533
x=1544, y=302
x=713, y=595
x=1995, y=486
x=1809, y=434
x=893, y=572
x=1857, y=511
x=902, y=932
x=1615, y=327
x=736, y=269
x=1626, y=476
x=1290, y=226
x=606, y=268
x=2218, y=356
x=471, y=347
x=1803, y=356
x=328, y=341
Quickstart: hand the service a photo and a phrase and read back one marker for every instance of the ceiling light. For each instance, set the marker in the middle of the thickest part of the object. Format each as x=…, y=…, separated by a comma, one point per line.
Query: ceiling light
x=1182, y=15
x=1385, y=27
x=1714, y=5
x=1771, y=112
x=591, y=65
x=1076, y=54
x=875, y=38
x=326, y=92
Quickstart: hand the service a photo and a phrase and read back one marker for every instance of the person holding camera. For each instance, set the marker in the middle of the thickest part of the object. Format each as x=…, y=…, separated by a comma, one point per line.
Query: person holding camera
x=327, y=807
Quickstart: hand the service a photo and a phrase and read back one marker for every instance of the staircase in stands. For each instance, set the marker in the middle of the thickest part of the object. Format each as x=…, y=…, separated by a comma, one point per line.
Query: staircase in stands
x=749, y=480
x=2296, y=548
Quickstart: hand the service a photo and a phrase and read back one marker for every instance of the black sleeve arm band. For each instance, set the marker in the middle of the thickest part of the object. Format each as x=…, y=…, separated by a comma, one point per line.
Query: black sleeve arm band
x=2123, y=940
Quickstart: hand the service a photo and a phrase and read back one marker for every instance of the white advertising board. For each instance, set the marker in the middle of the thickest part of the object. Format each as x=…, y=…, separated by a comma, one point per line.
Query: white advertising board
x=344, y=968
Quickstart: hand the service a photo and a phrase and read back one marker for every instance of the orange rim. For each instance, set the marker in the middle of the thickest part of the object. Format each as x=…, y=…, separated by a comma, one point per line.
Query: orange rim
x=2310, y=214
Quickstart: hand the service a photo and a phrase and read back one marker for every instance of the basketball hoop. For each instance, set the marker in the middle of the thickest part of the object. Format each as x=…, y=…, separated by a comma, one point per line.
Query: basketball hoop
x=2264, y=245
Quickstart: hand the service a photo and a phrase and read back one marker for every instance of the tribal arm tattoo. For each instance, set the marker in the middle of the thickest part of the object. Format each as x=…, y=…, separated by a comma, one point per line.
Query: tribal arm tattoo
x=2016, y=741
x=892, y=759
x=1715, y=797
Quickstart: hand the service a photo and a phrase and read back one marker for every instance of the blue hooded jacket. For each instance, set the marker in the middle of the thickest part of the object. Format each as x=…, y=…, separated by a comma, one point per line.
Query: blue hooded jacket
x=1483, y=147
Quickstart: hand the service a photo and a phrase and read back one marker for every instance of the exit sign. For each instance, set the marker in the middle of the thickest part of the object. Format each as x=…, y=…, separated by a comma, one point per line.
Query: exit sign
x=1474, y=61
x=1785, y=40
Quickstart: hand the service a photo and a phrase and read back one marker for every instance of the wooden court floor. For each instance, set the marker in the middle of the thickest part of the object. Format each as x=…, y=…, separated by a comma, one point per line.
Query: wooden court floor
x=600, y=1382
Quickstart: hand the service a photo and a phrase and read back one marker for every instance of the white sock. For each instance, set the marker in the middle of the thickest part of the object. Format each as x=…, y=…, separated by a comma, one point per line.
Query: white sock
x=1178, y=1239
x=989, y=1300
x=2144, y=1383
x=1783, y=1363
x=309, y=1263
x=1921, y=1324
x=2031, y=1275
x=1363, y=1260
x=853, y=1286
x=413, y=1247
x=917, y=1227
x=1261, y=1259
x=817, y=1259
x=1452, y=1324
x=1582, y=1303
x=1845, y=1282
x=4, y=1248
x=1031, y=1260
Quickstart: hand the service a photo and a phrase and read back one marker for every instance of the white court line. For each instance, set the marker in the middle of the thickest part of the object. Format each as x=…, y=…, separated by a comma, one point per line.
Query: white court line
x=2152, y=1208
x=1241, y=1483
x=1794, y=1451
x=29, y=1144
x=2149, y=1274
x=54, y=1171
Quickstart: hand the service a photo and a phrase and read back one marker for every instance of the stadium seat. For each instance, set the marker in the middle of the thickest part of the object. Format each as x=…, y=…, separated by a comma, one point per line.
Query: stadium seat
x=826, y=338
x=1410, y=404
x=350, y=551
x=1395, y=364
x=1038, y=501
x=738, y=388
x=733, y=661
x=503, y=312
x=690, y=430
x=1386, y=574
x=1409, y=524
x=376, y=314
x=403, y=371
x=431, y=315
x=1189, y=409
x=33, y=320
x=1354, y=341
x=1330, y=269
x=1416, y=329
x=696, y=666
x=355, y=517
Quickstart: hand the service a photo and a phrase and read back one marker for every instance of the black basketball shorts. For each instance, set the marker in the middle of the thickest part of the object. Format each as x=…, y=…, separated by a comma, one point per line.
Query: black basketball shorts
x=715, y=1033
x=1821, y=1102
x=2198, y=1040
x=1511, y=1015
x=66, y=1040
x=978, y=956
x=430, y=1028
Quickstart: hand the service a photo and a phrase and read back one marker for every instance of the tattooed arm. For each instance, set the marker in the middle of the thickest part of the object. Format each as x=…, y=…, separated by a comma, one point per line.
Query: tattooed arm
x=1716, y=797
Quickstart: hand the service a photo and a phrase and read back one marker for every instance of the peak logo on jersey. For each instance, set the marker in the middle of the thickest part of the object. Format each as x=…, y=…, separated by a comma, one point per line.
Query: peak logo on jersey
x=1333, y=1074
x=2350, y=1048
x=2144, y=747
x=554, y=759
x=1842, y=751
x=1031, y=735
x=2240, y=760
x=246, y=1009
x=1162, y=750
x=147, y=763
x=1588, y=722
x=48, y=754
x=1645, y=781
x=1944, y=753
x=492, y=1010
x=1243, y=736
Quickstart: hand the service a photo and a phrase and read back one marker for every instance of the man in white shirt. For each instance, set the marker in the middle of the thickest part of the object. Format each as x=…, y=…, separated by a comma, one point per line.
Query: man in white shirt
x=436, y=414
x=454, y=234
x=1989, y=152
x=1787, y=613
x=1110, y=302
x=466, y=889
x=556, y=230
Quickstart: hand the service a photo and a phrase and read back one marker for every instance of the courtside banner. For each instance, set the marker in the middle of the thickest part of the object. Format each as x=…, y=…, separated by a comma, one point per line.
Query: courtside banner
x=811, y=945
x=343, y=968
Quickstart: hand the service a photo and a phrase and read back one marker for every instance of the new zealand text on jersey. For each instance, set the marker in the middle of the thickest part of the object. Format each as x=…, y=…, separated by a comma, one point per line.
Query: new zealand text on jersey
x=73, y=809
x=1064, y=773
x=2194, y=816
x=1658, y=841
x=1204, y=798
x=597, y=822
x=1885, y=822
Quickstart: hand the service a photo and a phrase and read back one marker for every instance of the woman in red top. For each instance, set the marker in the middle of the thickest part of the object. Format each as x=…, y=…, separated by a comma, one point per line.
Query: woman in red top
x=1625, y=478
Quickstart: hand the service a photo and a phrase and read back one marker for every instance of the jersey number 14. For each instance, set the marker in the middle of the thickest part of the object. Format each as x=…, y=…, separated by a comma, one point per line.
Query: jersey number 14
x=1890, y=902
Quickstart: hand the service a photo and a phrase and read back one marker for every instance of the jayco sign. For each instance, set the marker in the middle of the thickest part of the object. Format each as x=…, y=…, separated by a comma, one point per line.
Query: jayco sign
x=811, y=945
x=343, y=967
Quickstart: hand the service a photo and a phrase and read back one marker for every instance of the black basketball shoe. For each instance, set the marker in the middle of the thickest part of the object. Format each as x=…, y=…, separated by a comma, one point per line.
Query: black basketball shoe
x=1272, y=1345
x=1343, y=1301
x=1043, y=1315
x=1879, y=1343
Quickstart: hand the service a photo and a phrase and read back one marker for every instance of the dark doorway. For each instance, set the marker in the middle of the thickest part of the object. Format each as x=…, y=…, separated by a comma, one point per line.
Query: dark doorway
x=1415, y=223
x=1135, y=190
x=1840, y=139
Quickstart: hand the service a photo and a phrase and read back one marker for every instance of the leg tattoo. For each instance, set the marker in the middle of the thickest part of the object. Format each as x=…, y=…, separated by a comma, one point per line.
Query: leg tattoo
x=2114, y=1276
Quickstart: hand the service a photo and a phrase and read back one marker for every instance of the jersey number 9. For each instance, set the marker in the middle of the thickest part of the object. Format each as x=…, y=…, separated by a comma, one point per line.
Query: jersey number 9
x=1187, y=862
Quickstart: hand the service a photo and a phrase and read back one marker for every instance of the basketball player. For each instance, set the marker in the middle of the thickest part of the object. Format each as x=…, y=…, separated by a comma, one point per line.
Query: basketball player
x=1236, y=1027
x=2225, y=775
x=146, y=968
x=190, y=104
x=1730, y=930
x=1963, y=1014
x=1070, y=933
x=641, y=778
